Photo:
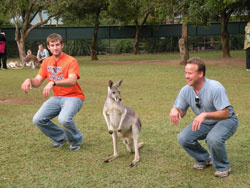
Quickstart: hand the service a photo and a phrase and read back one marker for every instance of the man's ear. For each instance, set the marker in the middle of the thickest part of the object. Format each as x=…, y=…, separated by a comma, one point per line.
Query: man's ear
x=201, y=74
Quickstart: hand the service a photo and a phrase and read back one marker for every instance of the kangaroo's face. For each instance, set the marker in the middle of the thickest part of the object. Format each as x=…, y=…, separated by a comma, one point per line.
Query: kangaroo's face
x=113, y=91
x=115, y=94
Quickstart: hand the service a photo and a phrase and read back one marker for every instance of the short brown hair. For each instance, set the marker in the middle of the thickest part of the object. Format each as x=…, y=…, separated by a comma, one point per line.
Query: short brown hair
x=199, y=62
x=54, y=37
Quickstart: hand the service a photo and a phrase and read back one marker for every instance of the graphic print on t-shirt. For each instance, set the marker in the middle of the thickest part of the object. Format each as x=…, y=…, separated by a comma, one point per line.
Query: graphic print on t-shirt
x=55, y=73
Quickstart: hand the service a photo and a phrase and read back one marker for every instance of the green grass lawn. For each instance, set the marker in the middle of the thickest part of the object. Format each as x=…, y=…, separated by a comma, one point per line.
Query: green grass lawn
x=28, y=160
x=164, y=56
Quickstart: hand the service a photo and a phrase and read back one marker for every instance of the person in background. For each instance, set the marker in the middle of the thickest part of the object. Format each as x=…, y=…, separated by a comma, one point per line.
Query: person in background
x=215, y=119
x=62, y=72
x=29, y=52
x=42, y=53
x=247, y=45
x=3, y=51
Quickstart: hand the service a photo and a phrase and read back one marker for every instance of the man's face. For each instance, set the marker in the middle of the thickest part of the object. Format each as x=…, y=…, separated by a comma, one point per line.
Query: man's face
x=192, y=75
x=56, y=47
x=40, y=48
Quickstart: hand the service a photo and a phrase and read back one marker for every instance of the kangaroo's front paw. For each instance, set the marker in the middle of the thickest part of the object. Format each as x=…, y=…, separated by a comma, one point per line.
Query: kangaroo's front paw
x=119, y=130
x=110, y=132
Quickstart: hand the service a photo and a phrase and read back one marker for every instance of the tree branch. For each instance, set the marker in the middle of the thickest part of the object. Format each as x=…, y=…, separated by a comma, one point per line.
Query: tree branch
x=41, y=23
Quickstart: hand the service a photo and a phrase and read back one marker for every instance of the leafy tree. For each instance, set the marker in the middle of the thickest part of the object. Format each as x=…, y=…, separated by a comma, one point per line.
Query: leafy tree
x=4, y=21
x=185, y=11
x=222, y=10
x=192, y=12
x=91, y=11
x=203, y=12
x=23, y=13
x=132, y=11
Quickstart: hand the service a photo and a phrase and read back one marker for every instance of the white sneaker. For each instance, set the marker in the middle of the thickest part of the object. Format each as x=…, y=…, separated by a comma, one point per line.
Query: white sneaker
x=203, y=166
x=222, y=174
x=74, y=148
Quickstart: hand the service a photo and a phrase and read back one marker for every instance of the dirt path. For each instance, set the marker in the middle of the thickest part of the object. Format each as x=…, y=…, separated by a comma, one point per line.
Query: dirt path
x=15, y=101
x=233, y=61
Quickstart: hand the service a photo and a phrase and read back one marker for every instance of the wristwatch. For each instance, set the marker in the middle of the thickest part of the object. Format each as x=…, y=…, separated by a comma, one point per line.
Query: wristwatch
x=54, y=83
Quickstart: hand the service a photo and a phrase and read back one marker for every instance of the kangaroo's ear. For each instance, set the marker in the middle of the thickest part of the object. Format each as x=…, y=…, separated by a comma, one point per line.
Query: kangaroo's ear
x=110, y=83
x=117, y=84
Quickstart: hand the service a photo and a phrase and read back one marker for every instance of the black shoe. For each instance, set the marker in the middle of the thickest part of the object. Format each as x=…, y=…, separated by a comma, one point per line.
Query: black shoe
x=58, y=145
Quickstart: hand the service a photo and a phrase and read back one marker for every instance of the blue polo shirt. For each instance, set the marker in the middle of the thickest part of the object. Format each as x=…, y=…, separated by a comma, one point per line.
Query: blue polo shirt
x=212, y=97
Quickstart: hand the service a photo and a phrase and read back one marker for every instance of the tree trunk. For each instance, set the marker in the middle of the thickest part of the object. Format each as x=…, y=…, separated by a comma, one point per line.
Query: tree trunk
x=23, y=31
x=138, y=29
x=20, y=40
x=21, y=49
x=183, y=43
x=136, y=43
x=224, y=36
x=93, y=43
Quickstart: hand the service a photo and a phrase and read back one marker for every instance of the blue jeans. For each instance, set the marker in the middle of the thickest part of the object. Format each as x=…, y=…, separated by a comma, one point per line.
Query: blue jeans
x=65, y=108
x=215, y=136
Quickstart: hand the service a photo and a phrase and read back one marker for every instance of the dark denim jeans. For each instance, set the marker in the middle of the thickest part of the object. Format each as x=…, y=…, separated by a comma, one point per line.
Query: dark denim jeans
x=248, y=58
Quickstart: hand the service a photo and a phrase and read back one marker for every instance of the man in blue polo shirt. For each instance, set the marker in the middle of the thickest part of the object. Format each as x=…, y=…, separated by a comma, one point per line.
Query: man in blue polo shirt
x=215, y=119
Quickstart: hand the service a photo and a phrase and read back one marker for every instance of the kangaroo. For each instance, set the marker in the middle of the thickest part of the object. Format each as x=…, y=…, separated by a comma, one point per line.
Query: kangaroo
x=123, y=122
x=29, y=61
x=32, y=61
x=15, y=65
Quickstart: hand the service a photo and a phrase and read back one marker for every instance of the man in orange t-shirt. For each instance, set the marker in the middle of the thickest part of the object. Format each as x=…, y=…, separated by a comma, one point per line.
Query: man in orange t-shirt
x=62, y=72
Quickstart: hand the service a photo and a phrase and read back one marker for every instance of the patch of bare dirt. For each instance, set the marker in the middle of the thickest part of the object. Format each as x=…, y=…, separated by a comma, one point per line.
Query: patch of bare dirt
x=233, y=61
x=15, y=101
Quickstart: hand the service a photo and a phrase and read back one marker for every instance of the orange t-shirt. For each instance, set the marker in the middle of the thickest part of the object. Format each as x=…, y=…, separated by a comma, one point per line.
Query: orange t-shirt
x=59, y=70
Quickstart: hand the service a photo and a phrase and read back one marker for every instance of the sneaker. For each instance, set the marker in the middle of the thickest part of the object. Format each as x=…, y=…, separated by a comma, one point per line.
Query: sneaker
x=5, y=69
x=58, y=145
x=222, y=174
x=203, y=166
x=74, y=148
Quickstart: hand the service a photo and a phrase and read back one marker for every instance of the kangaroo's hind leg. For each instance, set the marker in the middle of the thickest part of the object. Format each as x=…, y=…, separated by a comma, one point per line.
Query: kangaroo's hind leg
x=135, y=134
x=115, y=155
